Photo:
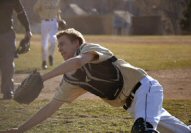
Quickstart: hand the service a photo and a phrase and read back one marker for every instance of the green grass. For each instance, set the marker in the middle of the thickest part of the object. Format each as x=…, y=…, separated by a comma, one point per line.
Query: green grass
x=88, y=116
x=83, y=116
x=147, y=52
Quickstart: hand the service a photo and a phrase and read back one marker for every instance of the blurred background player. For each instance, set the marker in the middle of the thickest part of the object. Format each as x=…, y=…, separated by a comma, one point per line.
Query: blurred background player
x=48, y=11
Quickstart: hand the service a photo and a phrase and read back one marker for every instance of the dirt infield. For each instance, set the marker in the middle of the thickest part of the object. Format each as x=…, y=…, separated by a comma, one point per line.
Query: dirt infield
x=176, y=83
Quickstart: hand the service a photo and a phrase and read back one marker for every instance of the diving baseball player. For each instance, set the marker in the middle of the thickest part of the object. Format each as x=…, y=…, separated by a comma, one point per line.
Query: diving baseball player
x=94, y=68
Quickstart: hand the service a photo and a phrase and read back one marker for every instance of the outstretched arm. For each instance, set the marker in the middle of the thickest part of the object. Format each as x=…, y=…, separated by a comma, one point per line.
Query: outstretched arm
x=40, y=116
x=70, y=65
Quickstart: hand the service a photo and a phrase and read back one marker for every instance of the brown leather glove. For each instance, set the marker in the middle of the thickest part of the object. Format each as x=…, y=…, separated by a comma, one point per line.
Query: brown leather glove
x=29, y=89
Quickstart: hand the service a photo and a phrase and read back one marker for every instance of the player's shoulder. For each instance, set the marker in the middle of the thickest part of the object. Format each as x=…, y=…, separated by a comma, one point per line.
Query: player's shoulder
x=91, y=45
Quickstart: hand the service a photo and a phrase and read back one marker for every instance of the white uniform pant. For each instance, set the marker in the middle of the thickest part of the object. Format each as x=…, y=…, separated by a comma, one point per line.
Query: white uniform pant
x=147, y=104
x=48, y=32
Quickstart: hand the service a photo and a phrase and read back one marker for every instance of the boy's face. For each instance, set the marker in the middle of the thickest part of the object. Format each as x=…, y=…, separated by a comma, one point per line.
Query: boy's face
x=66, y=47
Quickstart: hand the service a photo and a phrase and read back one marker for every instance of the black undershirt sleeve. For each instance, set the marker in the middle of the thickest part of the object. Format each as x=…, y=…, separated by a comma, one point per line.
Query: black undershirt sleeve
x=21, y=15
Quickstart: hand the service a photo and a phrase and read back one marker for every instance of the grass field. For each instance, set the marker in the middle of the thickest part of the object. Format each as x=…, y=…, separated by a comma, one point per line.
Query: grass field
x=148, y=52
x=82, y=116
x=95, y=116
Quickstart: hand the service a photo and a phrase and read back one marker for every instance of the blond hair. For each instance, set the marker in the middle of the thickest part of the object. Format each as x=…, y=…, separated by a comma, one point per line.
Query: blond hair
x=72, y=34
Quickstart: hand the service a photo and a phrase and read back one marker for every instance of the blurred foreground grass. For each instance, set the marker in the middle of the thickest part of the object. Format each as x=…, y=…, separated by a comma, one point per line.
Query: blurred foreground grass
x=84, y=116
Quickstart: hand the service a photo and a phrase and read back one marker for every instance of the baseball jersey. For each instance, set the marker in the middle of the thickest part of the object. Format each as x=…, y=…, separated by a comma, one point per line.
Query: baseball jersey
x=47, y=9
x=113, y=84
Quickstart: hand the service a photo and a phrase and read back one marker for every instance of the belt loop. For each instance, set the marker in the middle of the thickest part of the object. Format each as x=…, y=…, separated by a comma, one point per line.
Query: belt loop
x=49, y=19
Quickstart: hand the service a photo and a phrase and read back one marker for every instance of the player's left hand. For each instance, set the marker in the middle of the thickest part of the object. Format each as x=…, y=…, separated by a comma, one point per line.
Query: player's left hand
x=24, y=45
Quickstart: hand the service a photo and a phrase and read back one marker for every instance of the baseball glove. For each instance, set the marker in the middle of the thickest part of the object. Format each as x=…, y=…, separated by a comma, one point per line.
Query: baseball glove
x=29, y=89
x=61, y=24
x=24, y=46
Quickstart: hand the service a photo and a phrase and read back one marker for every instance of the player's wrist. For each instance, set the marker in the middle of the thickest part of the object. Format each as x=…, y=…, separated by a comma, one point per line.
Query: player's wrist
x=44, y=77
x=28, y=34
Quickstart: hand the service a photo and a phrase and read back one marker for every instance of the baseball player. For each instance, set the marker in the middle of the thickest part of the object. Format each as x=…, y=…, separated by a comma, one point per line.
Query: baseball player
x=7, y=42
x=48, y=11
x=94, y=68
